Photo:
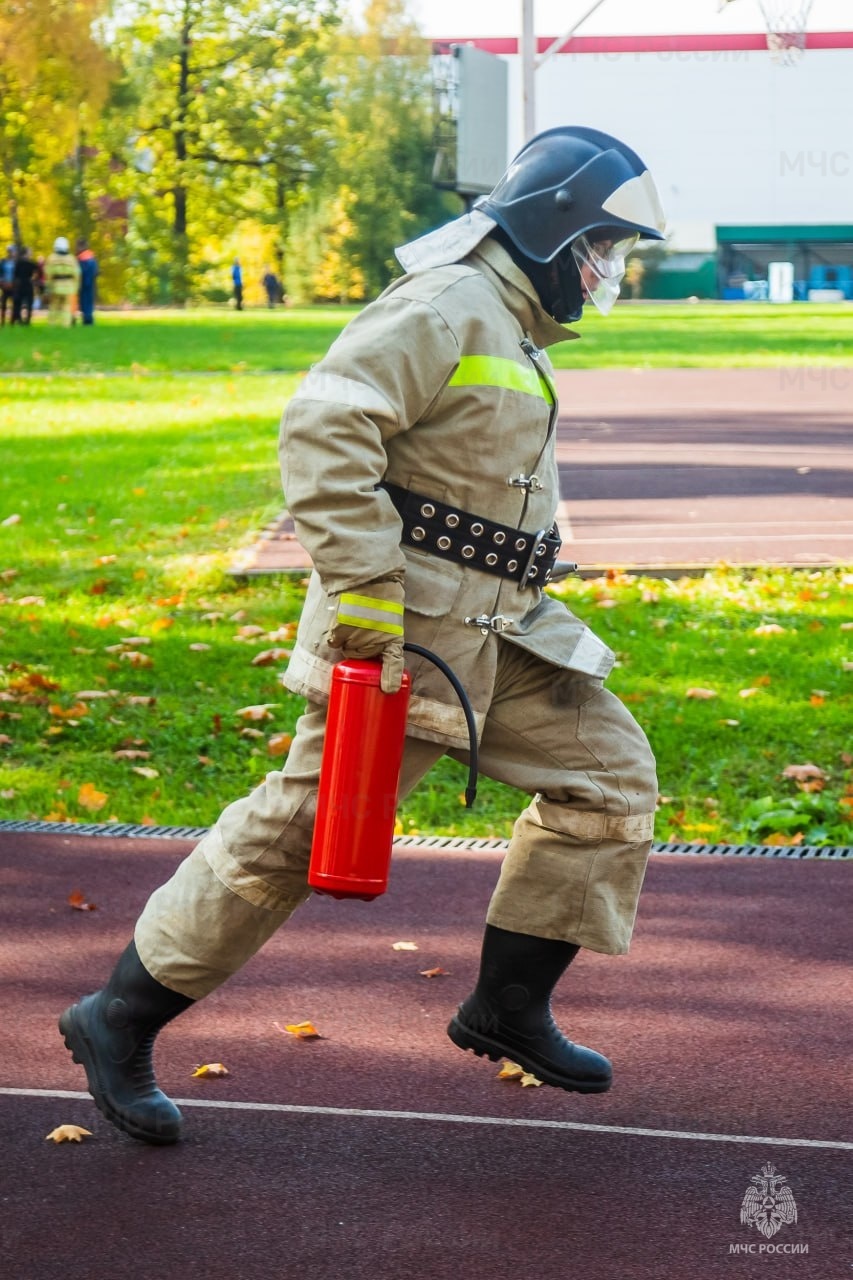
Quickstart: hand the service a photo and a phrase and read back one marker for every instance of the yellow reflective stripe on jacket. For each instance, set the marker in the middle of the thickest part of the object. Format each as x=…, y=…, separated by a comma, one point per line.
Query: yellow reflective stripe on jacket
x=498, y=371
x=370, y=613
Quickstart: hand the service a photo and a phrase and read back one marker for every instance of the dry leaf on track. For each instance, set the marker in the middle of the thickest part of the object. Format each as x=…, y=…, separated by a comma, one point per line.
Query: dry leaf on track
x=512, y=1071
x=77, y=900
x=68, y=1133
x=302, y=1030
x=404, y=946
x=209, y=1070
x=438, y=972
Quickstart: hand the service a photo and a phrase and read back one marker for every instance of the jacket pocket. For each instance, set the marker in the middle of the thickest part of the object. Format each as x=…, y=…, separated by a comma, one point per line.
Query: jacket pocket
x=432, y=585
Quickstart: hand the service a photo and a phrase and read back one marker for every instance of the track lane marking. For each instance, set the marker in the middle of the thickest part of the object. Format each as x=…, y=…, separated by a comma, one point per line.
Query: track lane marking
x=450, y=1118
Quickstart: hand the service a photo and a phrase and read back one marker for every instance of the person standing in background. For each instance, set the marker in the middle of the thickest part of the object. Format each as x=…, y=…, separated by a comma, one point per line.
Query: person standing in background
x=23, y=287
x=62, y=280
x=88, y=274
x=7, y=285
x=237, y=281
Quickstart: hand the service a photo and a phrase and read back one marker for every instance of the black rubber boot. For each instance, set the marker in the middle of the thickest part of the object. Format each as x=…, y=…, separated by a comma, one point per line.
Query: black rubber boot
x=111, y=1034
x=508, y=1015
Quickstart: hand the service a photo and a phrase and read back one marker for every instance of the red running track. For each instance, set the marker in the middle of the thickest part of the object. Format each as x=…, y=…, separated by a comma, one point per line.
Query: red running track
x=380, y=1152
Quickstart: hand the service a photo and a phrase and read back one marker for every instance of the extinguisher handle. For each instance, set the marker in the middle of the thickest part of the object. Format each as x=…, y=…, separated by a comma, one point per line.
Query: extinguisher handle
x=471, y=789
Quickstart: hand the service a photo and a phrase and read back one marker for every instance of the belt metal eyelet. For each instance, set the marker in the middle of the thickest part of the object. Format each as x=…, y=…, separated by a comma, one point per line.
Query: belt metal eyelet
x=541, y=549
x=468, y=552
x=443, y=543
x=499, y=538
x=452, y=521
x=476, y=529
x=512, y=565
x=418, y=534
x=491, y=559
x=427, y=510
x=520, y=544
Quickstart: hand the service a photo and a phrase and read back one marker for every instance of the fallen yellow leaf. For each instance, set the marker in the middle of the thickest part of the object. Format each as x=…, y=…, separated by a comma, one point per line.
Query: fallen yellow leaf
x=302, y=1030
x=438, y=972
x=279, y=744
x=697, y=692
x=210, y=1069
x=68, y=1133
x=88, y=797
x=510, y=1071
x=404, y=946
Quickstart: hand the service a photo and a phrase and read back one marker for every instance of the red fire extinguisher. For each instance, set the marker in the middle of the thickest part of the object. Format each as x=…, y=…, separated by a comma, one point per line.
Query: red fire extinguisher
x=360, y=778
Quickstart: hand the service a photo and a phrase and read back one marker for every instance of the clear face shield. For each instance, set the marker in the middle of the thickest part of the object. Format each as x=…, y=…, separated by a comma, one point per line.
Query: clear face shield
x=601, y=264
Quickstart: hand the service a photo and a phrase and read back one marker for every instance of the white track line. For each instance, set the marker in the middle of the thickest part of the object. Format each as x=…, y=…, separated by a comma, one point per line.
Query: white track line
x=499, y=1121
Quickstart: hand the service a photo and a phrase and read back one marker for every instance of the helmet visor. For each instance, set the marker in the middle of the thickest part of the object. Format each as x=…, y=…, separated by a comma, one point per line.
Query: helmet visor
x=601, y=264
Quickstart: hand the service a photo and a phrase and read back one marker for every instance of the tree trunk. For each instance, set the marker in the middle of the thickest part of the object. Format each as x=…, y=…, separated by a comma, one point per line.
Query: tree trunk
x=180, y=273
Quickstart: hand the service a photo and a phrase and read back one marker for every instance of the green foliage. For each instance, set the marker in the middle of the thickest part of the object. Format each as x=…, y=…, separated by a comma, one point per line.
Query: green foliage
x=54, y=76
x=174, y=134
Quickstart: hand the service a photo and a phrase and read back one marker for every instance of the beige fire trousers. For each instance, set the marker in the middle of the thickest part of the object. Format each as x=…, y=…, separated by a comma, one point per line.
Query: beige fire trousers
x=573, y=871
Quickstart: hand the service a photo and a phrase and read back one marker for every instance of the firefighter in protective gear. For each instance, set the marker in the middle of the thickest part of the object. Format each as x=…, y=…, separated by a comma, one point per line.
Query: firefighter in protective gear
x=62, y=280
x=418, y=462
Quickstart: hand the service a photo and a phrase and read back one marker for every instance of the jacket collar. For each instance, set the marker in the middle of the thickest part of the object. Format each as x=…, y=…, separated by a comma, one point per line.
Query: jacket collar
x=518, y=294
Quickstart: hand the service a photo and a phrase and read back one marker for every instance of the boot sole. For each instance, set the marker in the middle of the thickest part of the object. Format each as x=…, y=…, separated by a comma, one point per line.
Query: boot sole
x=77, y=1044
x=465, y=1039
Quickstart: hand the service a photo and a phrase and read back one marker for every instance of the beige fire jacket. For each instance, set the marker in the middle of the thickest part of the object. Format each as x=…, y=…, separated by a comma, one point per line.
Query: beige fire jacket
x=439, y=386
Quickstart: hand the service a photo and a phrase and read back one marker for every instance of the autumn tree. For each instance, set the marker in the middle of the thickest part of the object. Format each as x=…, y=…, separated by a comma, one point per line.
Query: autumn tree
x=378, y=188
x=230, y=101
x=54, y=79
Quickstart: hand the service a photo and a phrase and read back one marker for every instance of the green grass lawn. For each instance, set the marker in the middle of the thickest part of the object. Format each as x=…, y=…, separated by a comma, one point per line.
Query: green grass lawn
x=643, y=335
x=129, y=656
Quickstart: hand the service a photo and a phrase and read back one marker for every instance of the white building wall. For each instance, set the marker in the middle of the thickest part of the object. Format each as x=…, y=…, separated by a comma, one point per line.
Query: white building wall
x=729, y=136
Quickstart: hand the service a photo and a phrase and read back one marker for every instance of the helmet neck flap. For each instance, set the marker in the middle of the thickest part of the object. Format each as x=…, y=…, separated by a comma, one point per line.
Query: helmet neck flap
x=557, y=283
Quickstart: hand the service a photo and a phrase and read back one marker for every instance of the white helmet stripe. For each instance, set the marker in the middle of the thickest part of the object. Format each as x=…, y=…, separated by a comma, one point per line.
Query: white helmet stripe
x=637, y=202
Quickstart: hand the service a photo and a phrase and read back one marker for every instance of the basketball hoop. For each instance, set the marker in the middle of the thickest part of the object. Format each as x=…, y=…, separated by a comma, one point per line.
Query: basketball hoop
x=786, y=29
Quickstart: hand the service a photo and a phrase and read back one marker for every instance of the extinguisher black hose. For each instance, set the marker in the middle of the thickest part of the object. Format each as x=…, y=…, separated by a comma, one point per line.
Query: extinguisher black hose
x=471, y=789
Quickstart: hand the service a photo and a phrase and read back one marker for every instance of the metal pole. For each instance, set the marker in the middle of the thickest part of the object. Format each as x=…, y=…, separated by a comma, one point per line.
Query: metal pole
x=528, y=68
x=530, y=61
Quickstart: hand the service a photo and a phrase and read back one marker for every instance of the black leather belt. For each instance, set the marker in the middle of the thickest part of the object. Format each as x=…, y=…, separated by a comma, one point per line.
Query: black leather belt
x=473, y=540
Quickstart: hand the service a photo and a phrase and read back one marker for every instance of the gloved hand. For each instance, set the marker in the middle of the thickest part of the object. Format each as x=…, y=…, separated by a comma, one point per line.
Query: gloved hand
x=369, y=624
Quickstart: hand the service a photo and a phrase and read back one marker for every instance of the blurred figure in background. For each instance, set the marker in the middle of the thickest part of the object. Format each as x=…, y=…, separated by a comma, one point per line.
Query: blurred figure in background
x=23, y=287
x=272, y=287
x=88, y=274
x=7, y=278
x=62, y=280
x=237, y=282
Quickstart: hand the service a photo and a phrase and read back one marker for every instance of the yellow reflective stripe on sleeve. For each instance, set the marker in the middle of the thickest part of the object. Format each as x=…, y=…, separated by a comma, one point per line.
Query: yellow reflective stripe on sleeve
x=370, y=613
x=497, y=371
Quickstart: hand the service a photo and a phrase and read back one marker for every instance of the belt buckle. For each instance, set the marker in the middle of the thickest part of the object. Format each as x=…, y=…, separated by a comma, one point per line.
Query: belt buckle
x=531, y=559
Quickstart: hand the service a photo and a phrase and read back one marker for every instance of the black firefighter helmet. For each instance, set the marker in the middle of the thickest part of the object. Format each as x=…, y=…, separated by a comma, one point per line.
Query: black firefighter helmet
x=569, y=209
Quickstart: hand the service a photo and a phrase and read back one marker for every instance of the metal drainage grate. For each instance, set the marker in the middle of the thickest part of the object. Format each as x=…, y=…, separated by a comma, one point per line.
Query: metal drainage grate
x=466, y=844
